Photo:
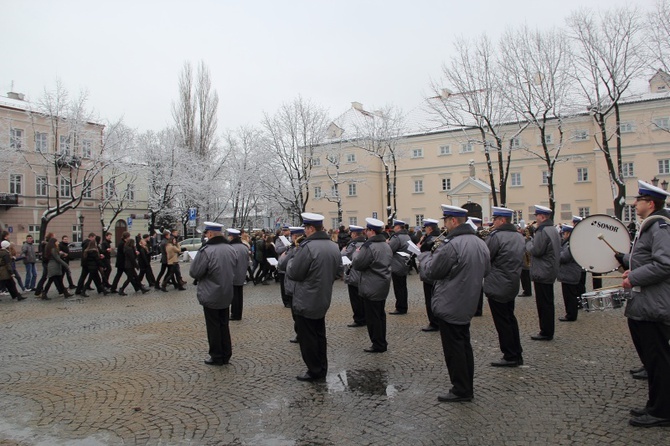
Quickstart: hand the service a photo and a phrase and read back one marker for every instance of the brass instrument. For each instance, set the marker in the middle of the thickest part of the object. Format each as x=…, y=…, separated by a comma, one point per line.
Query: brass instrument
x=299, y=240
x=529, y=230
x=439, y=240
x=482, y=233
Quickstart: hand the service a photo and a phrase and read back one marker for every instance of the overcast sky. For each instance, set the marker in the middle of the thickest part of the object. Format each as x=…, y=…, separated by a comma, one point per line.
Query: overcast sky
x=128, y=54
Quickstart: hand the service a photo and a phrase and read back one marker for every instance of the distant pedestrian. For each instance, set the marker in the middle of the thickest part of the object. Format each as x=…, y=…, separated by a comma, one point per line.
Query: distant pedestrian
x=6, y=271
x=29, y=260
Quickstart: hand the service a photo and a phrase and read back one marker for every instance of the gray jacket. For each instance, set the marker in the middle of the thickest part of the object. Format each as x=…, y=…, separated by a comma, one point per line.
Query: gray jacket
x=56, y=265
x=545, y=251
x=214, y=269
x=506, y=247
x=373, y=260
x=650, y=271
x=457, y=268
x=28, y=253
x=314, y=267
x=569, y=271
x=289, y=285
x=351, y=276
x=398, y=243
x=242, y=256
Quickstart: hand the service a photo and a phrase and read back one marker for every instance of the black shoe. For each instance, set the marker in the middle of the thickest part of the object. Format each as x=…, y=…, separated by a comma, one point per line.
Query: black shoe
x=112, y=290
x=647, y=420
x=235, y=318
x=540, y=337
x=641, y=375
x=452, y=398
x=181, y=288
x=430, y=328
x=122, y=293
x=371, y=349
x=638, y=412
x=158, y=287
x=287, y=305
x=163, y=289
x=294, y=340
x=213, y=362
x=145, y=290
x=307, y=377
x=20, y=298
x=82, y=294
x=637, y=370
x=355, y=324
x=478, y=314
x=397, y=312
x=505, y=363
x=72, y=287
x=566, y=319
x=90, y=288
x=525, y=294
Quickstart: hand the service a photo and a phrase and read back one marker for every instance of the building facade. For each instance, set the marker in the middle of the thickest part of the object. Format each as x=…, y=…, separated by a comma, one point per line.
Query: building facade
x=446, y=167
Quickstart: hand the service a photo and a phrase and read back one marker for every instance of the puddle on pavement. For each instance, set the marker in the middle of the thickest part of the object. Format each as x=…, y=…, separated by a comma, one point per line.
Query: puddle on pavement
x=368, y=382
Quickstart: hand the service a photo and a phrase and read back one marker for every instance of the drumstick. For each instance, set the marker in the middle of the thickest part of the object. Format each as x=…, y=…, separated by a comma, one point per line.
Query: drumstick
x=612, y=277
x=608, y=287
x=602, y=237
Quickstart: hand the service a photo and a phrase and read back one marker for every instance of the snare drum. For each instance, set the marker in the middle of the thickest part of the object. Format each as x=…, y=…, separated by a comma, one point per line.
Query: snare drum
x=603, y=300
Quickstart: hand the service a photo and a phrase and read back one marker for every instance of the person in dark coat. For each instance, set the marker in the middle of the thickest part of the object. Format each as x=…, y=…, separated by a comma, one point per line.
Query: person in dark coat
x=94, y=264
x=399, y=265
x=569, y=274
x=6, y=271
x=130, y=267
x=120, y=260
x=373, y=261
x=242, y=257
x=55, y=267
x=144, y=262
x=352, y=277
x=432, y=231
x=85, y=279
x=64, y=248
x=106, y=247
x=164, y=261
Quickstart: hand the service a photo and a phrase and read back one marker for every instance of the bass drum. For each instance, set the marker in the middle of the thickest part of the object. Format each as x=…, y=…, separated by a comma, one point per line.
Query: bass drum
x=589, y=243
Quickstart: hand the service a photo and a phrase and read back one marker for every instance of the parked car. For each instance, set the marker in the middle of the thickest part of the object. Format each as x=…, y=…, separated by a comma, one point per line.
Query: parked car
x=75, y=250
x=191, y=244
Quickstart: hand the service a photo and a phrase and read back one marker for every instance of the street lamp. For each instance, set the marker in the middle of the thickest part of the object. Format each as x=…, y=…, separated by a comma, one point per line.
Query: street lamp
x=81, y=227
x=664, y=184
x=654, y=181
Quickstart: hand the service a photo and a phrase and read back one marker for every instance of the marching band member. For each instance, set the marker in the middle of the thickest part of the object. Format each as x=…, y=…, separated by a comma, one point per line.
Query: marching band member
x=352, y=277
x=399, y=266
x=431, y=230
x=569, y=274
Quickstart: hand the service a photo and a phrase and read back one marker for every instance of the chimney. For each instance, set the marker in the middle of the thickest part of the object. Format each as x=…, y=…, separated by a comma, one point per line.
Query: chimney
x=357, y=106
x=14, y=95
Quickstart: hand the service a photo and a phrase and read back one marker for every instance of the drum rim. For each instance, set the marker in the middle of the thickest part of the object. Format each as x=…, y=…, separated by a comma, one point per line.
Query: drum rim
x=599, y=215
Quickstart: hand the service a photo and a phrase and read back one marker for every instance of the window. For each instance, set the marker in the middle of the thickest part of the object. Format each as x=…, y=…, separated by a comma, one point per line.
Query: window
x=418, y=186
x=515, y=143
x=41, y=142
x=545, y=177
x=352, y=189
x=548, y=138
x=626, y=127
x=76, y=233
x=351, y=157
x=130, y=192
x=41, y=186
x=86, y=151
x=418, y=220
x=664, y=166
x=15, y=183
x=417, y=153
x=582, y=174
x=445, y=150
x=627, y=170
x=446, y=183
x=584, y=212
x=87, y=192
x=581, y=135
x=466, y=148
x=353, y=221
x=629, y=212
x=662, y=123
x=317, y=191
x=515, y=178
x=332, y=159
x=517, y=216
x=334, y=223
x=65, y=187
x=316, y=161
x=65, y=145
x=34, y=230
x=110, y=189
x=16, y=138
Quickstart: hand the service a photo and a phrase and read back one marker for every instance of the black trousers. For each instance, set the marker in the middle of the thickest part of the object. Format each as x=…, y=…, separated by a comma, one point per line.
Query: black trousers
x=375, y=319
x=82, y=283
x=105, y=274
x=282, y=290
x=428, y=297
x=131, y=278
x=56, y=280
x=238, y=302
x=458, y=355
x=313, y=344
x=10, y=286
x=652, y=342
x=400, y=291
x=357, y=305
x=149, y=274
x=480, y=304
x=43, y=279
x=571, y=293
x=544, y=298
x=164, y=268
x=508, y=329
x=95, y=277
x=218, y=334
x=526, y=283
x=117, y=277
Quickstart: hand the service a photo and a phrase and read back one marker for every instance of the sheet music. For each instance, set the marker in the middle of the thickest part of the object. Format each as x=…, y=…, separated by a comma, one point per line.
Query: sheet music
x=345, y=260
x=272, y=261
x=413, y=248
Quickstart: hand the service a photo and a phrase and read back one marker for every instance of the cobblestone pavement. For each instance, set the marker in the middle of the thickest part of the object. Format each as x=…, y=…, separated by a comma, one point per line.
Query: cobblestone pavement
x=129, y=370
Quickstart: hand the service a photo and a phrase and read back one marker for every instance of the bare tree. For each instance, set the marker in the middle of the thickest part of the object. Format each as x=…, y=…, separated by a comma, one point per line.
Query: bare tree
x=609, y=57
x=537, y=78
x=379, y=134
x=292, y=135
x=478, y=105
x=657, y=37
x=81, y=150
x=195, y=112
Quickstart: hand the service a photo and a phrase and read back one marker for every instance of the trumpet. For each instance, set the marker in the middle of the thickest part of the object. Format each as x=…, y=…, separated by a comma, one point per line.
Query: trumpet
x=299, y=240
x=483, y=233
x=439, y=240
x=529, y=230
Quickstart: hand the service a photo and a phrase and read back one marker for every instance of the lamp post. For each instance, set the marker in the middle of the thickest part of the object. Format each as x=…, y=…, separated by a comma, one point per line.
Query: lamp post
x=664, y=184
x=81, y=227
x=654, y=181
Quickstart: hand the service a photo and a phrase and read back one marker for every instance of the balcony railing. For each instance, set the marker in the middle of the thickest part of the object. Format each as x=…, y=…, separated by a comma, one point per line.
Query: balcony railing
x=9, y=200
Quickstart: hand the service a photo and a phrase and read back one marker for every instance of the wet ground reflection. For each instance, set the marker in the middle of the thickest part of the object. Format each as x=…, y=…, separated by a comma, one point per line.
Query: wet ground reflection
x=368, y=382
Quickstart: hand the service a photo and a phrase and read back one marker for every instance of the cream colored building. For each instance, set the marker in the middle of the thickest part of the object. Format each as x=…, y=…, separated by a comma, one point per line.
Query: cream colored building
x=443, y=167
